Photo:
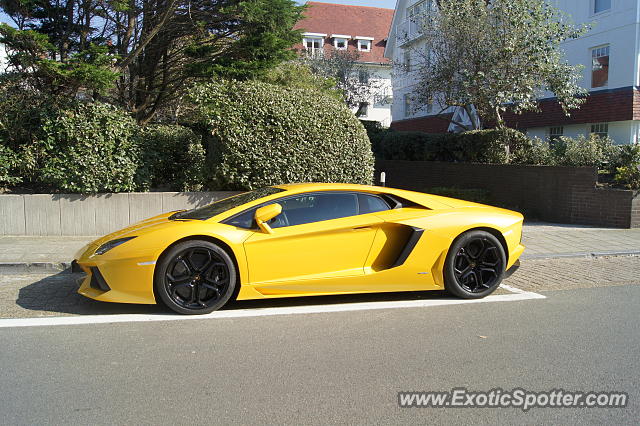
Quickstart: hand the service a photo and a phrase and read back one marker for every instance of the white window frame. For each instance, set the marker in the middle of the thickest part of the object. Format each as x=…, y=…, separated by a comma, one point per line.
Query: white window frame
x=592, y=8
x=313, y=37
x=337, y=38
x=337, y=41
x=599, y=50
x=367, y=41
x=601, y=129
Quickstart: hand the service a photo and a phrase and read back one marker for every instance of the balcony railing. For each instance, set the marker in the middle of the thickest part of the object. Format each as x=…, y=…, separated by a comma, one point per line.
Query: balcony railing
x=317, y=53
x=413, y=28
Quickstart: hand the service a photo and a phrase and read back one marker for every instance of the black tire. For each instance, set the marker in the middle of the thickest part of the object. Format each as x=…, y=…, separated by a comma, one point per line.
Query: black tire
x=475, y=265
x=195, y=277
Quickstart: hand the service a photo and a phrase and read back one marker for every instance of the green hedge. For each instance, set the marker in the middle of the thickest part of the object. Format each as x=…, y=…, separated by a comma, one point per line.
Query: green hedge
x=481, y=146
x=260, y=134
x=172, y=158
x=9, y=162
x=88, y=148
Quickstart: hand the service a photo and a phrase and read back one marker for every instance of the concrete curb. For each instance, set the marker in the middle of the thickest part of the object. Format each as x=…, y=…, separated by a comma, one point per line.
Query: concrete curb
x=17, y=268
x=579, y=254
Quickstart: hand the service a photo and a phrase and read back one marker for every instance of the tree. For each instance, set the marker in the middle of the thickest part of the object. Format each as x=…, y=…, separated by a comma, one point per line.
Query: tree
x=296, y=74
x=356, y=81
x=151, y=49
x=490, y=56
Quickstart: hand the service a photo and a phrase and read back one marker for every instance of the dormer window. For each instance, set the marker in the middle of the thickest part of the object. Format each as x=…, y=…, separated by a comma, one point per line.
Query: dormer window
x=340, y=41
x=313, y=43
x=364, y=43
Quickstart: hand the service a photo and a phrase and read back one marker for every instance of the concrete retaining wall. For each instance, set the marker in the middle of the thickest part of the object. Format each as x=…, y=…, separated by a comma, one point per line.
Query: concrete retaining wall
x=73, y=214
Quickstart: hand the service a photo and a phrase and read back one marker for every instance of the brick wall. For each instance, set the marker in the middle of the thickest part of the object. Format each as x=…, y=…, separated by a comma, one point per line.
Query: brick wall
x=553, y=194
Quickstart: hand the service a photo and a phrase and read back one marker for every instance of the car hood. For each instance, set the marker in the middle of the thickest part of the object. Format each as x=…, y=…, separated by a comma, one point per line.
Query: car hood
x=137, y=229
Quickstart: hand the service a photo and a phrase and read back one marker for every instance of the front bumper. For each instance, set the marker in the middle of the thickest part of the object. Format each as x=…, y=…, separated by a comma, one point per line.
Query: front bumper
x=120, y=281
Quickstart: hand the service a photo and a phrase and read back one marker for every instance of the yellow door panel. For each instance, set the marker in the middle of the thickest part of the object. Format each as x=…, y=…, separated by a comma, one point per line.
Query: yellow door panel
x=312, y=252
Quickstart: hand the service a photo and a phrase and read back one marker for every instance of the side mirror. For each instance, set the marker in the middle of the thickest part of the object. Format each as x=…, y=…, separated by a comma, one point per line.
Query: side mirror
x=265, y=214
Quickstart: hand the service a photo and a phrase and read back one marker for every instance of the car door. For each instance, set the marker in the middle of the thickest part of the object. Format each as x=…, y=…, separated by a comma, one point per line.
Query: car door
x=318, y=236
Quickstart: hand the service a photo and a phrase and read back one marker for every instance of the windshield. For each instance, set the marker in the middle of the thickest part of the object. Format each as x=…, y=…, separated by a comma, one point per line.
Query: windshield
x=213, y=209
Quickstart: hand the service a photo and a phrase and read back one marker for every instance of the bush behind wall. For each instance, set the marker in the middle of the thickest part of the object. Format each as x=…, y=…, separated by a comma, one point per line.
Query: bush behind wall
x=261, y=134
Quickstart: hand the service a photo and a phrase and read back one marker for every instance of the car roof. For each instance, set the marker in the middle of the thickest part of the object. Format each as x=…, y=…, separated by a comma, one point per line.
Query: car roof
x=304, y=187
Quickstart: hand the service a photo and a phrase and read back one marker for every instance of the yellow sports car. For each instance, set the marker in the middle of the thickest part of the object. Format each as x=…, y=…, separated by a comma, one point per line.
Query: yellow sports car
x=304, y=240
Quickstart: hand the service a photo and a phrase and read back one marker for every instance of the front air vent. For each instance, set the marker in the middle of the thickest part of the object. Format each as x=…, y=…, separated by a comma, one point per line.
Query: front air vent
x=97, y=280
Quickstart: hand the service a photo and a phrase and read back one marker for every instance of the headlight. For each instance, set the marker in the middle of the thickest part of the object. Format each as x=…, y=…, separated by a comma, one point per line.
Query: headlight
x=111, y=244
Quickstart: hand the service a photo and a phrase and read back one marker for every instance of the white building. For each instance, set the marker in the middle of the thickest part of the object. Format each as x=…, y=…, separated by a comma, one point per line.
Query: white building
x=610, y=53
x=3, y=58
x=327, y=26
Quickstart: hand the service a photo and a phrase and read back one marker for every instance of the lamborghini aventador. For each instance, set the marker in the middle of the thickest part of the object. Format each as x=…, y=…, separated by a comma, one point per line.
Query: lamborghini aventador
x=304, y=240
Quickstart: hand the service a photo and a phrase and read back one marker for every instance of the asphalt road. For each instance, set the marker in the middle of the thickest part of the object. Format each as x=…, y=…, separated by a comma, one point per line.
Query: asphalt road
x=328, y=368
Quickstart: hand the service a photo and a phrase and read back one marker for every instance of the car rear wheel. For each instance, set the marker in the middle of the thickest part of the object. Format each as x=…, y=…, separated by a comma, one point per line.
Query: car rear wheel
x=475, y=265
x=195, y=277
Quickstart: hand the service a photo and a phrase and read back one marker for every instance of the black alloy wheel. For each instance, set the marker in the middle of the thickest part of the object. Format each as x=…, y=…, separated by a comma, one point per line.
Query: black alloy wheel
x=475, y=265
x=195, y=277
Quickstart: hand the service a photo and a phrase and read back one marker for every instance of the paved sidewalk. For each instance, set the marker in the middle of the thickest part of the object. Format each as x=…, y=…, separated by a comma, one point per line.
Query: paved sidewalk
x=544, y=240
x=40, y=254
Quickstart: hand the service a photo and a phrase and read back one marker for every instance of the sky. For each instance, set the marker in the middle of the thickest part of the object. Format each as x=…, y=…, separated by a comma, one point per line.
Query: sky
x=389, y=4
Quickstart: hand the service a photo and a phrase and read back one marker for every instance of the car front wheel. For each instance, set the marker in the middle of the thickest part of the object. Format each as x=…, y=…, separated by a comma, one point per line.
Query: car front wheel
x=195, y=277
x=475, y=265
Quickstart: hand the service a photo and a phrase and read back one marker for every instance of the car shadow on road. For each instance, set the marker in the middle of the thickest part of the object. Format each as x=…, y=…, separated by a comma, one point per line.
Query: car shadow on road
x=57, y=294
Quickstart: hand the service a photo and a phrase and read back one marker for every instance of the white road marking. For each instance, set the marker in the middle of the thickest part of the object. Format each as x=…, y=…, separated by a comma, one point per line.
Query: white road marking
x=513, y=289
x=260, y=312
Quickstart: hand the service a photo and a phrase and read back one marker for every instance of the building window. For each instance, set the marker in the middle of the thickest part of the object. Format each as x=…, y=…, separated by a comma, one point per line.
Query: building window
x=340, y=43
x=555, y=133
x=314, y=46
x=600, y=66
x=601, y=5
x=364, y=45
x=363, y=76
x=600, y=129
x=407, y=61
x=408, y=107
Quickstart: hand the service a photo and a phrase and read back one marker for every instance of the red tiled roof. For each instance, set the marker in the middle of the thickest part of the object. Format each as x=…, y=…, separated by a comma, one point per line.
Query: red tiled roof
x=364, y=21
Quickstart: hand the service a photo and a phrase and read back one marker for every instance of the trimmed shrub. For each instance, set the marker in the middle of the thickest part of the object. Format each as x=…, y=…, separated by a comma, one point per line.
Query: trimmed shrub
x=88, y=148
x=592, y=150
x=8, y=165
x=172, y=158
x=625, y=164
x=478, y=146
x=260, y=134
x=531, y=151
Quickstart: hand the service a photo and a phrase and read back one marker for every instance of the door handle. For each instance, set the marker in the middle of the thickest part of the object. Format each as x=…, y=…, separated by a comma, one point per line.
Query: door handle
x=362, y=228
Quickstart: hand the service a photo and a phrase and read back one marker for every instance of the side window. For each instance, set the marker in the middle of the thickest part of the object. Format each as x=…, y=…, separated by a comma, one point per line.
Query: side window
x=371, y=204
x=243, y=220
x=316, y=207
